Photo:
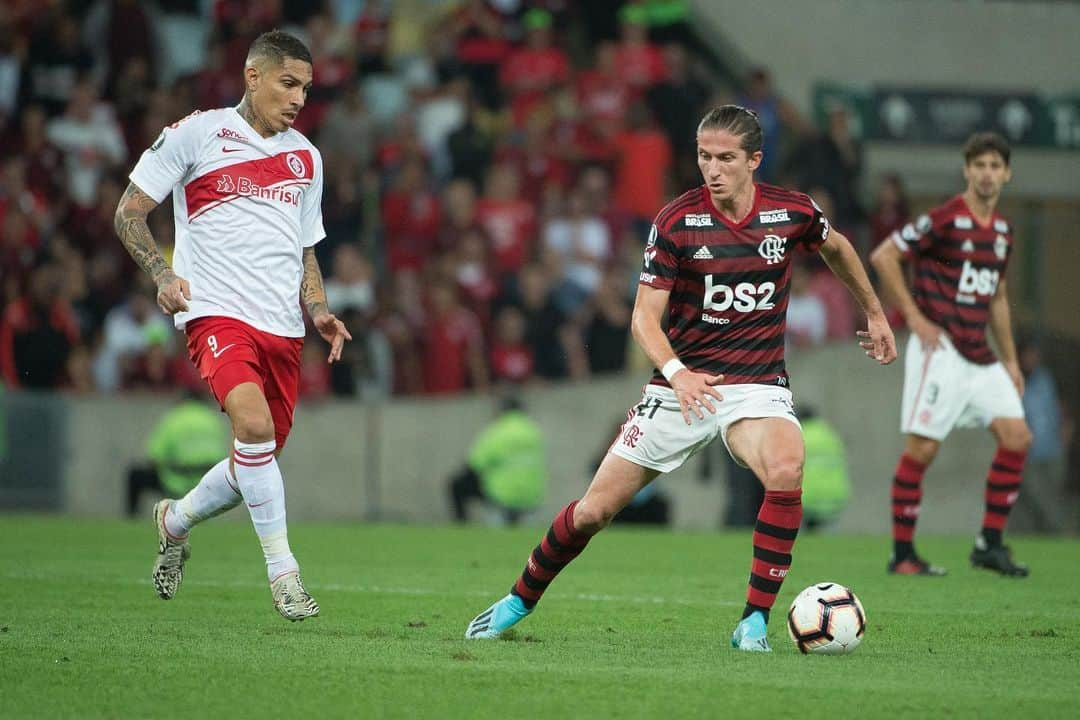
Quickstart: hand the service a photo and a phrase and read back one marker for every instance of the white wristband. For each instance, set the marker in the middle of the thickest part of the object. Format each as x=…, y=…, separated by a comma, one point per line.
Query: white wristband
x=671, y=367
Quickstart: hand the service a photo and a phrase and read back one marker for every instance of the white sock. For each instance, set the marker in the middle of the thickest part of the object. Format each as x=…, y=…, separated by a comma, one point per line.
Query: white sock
x=259, y=478
x=214, y=494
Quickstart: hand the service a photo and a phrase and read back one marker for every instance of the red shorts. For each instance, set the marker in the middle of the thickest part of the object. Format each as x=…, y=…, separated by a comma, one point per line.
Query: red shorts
x=228, y=352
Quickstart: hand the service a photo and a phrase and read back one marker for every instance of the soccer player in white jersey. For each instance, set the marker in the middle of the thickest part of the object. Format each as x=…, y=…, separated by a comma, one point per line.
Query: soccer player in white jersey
x=247, y=194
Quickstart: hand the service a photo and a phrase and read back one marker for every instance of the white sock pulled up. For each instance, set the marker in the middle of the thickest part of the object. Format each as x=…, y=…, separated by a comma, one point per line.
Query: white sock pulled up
x=261, y=484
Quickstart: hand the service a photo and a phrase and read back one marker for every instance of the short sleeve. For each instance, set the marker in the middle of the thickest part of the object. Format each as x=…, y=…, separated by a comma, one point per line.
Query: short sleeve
x=817, y=229
x=311, y=221
x=916, y=237
x=165, y=163
x=661, y=261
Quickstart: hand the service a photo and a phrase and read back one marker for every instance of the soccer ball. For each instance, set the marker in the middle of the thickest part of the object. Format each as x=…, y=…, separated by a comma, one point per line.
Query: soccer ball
x=826, y=619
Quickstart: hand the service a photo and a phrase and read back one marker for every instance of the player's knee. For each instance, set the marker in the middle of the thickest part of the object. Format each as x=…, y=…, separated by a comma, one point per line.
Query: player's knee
x=253, y=426
x=921, y=451
x=1016, y=437
x=783, y=476
x=591, y=518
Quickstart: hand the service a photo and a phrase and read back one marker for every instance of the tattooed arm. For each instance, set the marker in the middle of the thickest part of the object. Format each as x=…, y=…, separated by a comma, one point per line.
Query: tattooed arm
x=311, y=287
x=131, y=227
x=314, y=297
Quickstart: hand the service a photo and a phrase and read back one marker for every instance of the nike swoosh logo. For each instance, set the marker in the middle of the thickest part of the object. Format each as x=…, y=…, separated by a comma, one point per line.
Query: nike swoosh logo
x=225, y=149
x=258, y=504
x=218, y=353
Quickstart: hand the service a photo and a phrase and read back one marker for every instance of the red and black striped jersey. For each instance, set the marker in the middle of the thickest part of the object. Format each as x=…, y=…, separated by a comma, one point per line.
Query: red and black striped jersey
x=958, y=264
x=729, y=280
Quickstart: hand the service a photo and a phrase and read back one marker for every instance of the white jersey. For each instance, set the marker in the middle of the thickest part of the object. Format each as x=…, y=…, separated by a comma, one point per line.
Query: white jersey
x=245, y=207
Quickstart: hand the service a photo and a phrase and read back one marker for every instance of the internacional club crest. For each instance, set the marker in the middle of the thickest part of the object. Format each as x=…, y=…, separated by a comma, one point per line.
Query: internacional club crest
x=295, y=164
x=772, y=249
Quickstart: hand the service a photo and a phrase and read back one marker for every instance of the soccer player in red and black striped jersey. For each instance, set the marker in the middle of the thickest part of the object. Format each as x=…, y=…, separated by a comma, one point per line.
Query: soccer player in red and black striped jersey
x=952, y=378
x=718, y=264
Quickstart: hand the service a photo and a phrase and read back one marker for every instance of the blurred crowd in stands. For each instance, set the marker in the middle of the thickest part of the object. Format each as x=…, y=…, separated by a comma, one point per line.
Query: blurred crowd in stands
x=492, y=168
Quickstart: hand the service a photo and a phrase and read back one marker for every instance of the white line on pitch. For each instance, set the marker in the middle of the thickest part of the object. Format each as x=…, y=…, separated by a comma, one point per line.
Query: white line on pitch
x=382, y=590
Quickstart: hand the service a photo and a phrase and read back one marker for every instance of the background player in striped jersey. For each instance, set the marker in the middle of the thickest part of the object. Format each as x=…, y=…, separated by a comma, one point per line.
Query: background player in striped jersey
x=718, y=264
x=952, y=378
x=247, y=200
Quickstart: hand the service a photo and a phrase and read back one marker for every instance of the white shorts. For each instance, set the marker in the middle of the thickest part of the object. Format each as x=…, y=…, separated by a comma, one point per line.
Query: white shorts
x=944, y=390
x=656, y=436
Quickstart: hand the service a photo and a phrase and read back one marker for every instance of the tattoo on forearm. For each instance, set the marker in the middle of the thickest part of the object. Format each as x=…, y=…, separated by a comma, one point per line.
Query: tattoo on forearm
x=131, y=227
x=311, y=287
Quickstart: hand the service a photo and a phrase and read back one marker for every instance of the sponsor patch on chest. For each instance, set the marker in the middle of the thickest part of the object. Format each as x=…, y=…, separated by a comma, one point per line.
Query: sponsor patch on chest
x=769, y=217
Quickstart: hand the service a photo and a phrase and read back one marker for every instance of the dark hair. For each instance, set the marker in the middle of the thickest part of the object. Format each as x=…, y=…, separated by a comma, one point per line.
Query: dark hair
x=984, y=142
x=738, y=121
x=277, y=46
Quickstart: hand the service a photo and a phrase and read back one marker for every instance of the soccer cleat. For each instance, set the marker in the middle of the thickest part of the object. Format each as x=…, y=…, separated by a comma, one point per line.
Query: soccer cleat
x=751, y=634
x=291, y=599
x=914, y=565
x=171, y=556
x=497, y=619
x=999, y=559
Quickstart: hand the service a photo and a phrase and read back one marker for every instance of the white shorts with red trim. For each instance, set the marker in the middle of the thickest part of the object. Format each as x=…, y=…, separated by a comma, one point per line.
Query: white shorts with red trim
x=656, y=436
x=944, y=390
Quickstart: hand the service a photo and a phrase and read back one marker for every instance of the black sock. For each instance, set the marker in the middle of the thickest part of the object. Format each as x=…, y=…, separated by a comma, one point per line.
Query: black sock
x=992, y=536
x=750, y=609
x=903, y=549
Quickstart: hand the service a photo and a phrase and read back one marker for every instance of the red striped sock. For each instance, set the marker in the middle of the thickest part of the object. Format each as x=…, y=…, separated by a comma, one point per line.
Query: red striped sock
x=561, y=545
x=1002, y=487
x=774, y=536
x=906, y=502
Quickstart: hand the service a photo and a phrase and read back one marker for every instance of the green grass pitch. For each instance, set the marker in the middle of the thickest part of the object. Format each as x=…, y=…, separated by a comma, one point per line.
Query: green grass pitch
x=637, y=627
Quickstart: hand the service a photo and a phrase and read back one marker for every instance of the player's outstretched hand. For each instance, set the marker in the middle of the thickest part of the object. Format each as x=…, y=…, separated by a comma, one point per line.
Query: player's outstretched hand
x=173, y=293
x=693, y=390
x=334, y=332
x=877, y=340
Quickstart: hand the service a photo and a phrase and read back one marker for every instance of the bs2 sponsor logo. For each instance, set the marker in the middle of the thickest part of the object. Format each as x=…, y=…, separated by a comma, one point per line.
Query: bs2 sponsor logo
x=744, y=297
x=976, y=281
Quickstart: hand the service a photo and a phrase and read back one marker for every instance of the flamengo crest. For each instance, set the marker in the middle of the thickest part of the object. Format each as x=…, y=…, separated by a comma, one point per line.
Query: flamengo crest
x=772, y=249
